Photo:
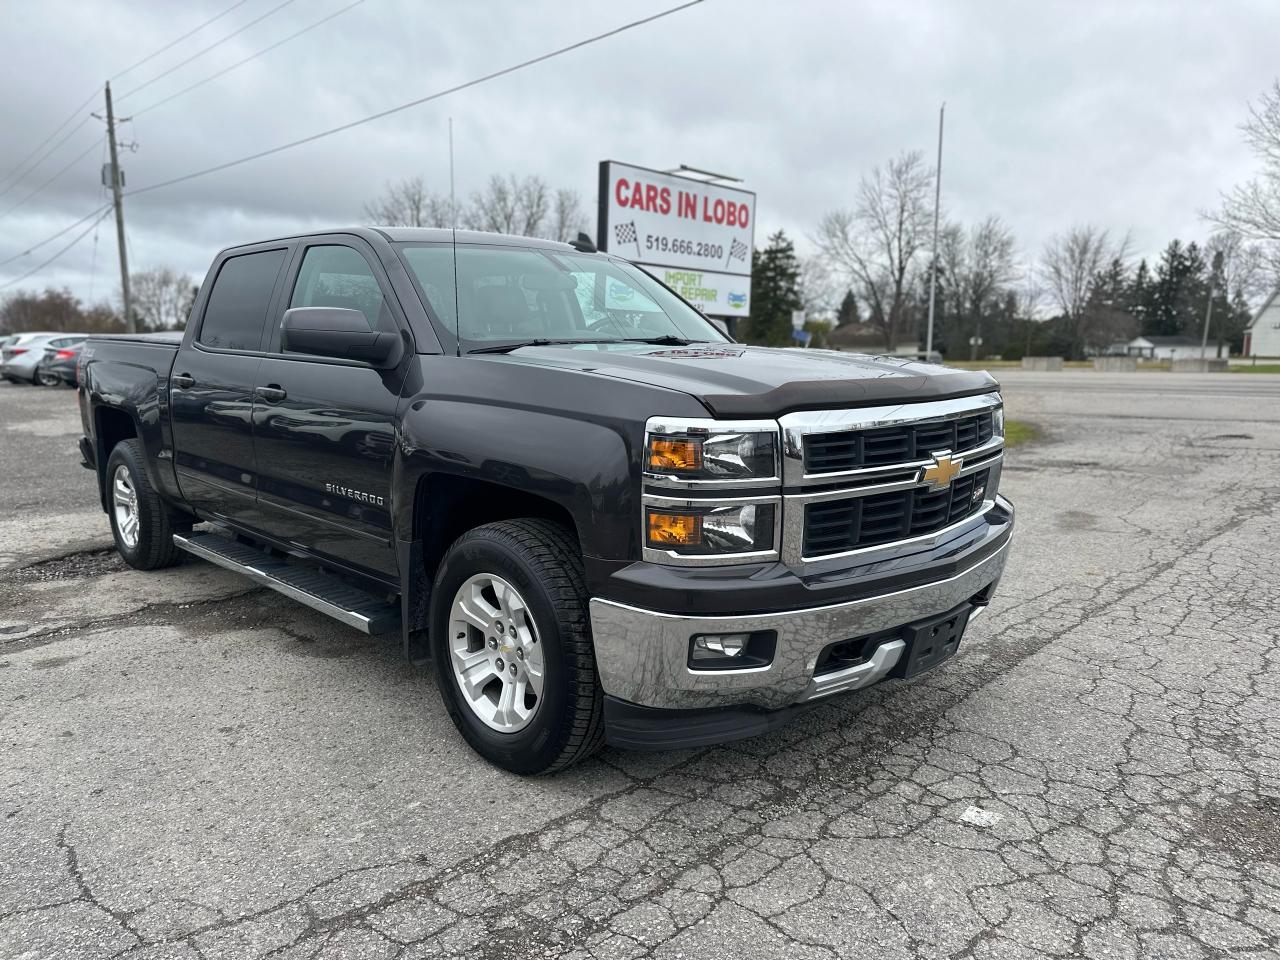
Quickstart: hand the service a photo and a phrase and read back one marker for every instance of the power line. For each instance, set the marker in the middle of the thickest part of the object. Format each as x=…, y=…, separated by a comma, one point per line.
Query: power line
x=252, y=56
x=49, y=239
x=74, y=160
x=201, y=53
x=173, y=43
x=93, y=96
x=37, y=269
x=421, y=100
x=46, y=155
x=36, y=149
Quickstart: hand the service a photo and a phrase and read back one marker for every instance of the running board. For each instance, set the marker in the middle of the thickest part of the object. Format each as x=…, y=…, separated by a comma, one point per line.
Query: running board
x=318, y=590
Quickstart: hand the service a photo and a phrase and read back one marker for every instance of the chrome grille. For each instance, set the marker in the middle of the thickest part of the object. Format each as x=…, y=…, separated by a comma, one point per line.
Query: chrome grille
x=835, y=526
x=864, y=480
x=852, y=449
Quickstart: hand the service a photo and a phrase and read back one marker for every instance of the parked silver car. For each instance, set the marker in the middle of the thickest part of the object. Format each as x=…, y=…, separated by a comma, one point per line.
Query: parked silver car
x=23, y=354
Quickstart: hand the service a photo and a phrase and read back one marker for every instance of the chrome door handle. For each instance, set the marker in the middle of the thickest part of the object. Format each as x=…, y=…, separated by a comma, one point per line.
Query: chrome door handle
x=183, y=380
x=271, y=394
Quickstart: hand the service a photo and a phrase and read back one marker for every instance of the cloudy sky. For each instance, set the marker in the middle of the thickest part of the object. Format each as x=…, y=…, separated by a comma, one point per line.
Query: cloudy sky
x=1121, y=114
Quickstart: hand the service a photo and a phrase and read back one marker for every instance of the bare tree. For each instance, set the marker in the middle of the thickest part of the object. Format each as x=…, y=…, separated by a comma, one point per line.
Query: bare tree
x=54, y=310
x=819, y=290
x=1068, y=265
x=161, y=298
x=567, y=219
x=409, y=204
x=986, y=270
x=875, y=245
x=1252, y=209
x=511, y=205
x=1245, y=269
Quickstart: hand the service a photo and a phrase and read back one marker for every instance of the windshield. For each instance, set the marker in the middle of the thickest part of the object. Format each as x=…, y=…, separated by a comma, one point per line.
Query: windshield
x=511, y=294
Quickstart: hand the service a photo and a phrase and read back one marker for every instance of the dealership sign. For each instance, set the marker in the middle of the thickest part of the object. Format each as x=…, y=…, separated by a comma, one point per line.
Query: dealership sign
x=696, y=237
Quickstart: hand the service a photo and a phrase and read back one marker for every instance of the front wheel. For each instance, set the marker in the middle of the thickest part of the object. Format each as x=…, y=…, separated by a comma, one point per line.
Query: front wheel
x=511, y=642
x=139, y=519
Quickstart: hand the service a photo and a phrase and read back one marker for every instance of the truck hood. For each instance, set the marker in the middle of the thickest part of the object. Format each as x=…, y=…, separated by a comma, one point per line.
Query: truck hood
x=734, y=380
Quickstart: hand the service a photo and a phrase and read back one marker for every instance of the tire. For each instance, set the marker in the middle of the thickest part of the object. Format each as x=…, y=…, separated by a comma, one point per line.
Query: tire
x=147, y=543
x=541, y=561
x=47, y=380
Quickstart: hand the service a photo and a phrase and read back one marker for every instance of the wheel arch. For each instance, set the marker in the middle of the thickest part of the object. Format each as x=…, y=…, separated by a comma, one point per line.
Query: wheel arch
x=111, y=425
x=445, y=506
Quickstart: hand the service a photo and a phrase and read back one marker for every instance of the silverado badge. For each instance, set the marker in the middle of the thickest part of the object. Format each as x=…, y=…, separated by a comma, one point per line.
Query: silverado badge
x=939, y=474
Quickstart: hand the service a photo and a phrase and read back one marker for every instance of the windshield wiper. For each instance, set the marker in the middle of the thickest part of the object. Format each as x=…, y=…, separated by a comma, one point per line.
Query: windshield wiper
x=666, y=340
x=538, y=342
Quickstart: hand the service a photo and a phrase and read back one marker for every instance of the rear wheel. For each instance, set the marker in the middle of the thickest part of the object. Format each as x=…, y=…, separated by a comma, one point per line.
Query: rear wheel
x=139, y=519
x=48, y=379
x=511, y=642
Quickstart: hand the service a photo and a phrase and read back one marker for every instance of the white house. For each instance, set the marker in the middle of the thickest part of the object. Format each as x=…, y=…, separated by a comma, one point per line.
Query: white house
x=1262, y=336
x=1170, y=348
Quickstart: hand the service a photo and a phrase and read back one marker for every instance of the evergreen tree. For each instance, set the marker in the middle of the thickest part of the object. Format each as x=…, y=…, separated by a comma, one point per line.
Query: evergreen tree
x=1141, y=297
x=775, y=292
x=848, y=312
x=1108, y=316
x=1178, y=293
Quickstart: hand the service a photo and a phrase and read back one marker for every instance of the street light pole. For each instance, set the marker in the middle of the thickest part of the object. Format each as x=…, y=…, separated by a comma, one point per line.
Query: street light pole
x=937, y=204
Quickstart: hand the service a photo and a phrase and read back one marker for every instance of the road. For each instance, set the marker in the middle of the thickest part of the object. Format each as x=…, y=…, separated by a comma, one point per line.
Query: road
x=193, y=768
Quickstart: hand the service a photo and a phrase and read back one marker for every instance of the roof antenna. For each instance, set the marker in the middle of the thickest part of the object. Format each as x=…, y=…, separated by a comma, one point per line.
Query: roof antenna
x=583, y=244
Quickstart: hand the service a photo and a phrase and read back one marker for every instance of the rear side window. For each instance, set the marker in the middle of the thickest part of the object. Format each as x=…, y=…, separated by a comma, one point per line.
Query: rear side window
x=237, y=309
x=337, y=276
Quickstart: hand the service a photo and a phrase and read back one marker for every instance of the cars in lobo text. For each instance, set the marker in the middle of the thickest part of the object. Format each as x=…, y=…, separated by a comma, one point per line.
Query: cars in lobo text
x=603, y=519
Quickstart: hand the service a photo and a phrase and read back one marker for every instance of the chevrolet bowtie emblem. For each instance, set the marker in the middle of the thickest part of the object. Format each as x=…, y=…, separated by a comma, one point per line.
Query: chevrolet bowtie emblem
x=939, y=474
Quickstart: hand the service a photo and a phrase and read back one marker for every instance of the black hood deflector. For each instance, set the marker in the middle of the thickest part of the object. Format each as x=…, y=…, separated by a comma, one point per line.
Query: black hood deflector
x=733, y=380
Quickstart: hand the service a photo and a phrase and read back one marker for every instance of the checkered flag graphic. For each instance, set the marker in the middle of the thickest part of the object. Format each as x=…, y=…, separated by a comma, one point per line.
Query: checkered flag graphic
x=738, y=250
x=626, y=233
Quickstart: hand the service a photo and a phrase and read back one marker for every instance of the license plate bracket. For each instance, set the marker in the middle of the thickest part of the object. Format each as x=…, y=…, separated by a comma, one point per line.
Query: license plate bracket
x=934, y=641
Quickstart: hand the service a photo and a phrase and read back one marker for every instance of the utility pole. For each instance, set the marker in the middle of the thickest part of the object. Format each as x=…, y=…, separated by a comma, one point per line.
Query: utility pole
x=117, y=202
x=1208, y=310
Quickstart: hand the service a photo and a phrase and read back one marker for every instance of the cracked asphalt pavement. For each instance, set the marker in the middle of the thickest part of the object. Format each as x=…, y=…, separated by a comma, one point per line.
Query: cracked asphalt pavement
x=193, y=768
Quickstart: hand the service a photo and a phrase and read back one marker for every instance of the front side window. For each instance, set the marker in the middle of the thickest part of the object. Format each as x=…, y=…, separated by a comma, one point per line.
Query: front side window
x=337, y=276
x=507, y=293
x=237, y=308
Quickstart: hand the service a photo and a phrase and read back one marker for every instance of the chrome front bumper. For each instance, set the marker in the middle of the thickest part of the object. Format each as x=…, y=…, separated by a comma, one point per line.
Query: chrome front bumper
x=642, y=655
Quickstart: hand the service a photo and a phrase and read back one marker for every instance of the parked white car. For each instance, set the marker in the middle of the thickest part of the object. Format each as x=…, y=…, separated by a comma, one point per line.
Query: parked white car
x=22, y=354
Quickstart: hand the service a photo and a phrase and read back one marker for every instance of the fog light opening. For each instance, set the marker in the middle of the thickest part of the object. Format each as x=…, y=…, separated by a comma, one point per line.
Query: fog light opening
x=732, y=651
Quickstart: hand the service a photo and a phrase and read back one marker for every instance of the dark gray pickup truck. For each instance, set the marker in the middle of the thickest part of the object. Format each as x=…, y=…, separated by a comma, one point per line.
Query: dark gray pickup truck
x=602, y=519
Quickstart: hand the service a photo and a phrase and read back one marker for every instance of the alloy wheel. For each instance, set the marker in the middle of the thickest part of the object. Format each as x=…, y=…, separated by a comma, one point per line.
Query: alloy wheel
x=124, y=504
x=496, y=653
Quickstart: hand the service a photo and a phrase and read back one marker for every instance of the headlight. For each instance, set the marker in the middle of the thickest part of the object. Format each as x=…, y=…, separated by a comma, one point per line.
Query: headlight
x=710, y=455
x=997, y=422
x=696, y=531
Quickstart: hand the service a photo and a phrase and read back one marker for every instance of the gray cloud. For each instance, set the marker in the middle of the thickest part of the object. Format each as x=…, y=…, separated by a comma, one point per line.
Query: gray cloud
x=1122, y=114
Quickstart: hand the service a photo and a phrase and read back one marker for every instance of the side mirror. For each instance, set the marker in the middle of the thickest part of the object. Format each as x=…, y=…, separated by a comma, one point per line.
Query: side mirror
x=335, y=332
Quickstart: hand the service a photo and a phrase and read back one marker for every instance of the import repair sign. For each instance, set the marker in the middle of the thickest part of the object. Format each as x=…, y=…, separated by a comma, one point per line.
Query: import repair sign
x=695, y=236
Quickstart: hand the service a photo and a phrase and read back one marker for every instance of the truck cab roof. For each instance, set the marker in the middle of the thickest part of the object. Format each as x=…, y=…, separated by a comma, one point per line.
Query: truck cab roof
x=422, y=235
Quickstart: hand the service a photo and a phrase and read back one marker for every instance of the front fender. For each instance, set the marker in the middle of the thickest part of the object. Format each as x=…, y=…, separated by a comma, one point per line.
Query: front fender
x=583, y=467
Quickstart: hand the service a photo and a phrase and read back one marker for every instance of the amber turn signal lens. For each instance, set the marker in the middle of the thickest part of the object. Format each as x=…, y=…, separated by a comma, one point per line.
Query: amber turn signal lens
x=670, y=454
x=674, y=529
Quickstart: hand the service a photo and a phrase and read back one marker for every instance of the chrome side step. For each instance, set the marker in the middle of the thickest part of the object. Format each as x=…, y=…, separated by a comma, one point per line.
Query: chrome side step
x=315, y=588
